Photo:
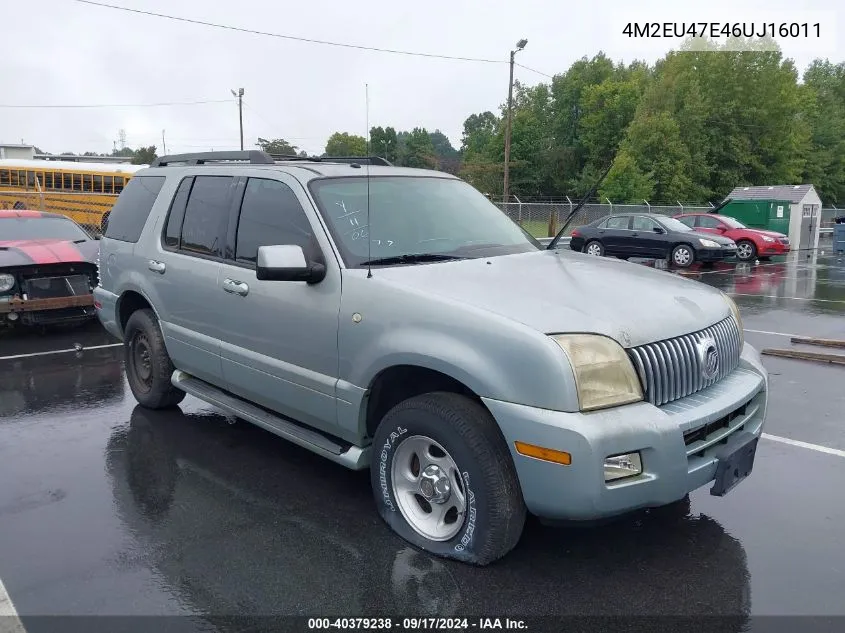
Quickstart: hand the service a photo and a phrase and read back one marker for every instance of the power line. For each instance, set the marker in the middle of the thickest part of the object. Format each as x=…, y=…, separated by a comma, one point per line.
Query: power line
x=115, y=105
x=539, y=72
x=290, y=37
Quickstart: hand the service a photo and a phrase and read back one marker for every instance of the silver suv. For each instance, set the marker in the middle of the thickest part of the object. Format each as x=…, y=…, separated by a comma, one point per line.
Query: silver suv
x=395, y=319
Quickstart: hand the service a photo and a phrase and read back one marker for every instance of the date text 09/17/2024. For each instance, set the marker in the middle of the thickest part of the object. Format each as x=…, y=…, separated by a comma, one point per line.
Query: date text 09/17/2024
x=717, y=30
x=415, y=624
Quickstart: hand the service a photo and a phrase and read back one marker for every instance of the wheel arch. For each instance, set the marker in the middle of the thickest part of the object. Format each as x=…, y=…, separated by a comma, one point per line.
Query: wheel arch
x=397, y=383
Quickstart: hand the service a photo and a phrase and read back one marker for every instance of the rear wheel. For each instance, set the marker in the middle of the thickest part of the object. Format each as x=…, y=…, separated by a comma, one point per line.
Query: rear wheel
x=148, y=366
x=594, y=247
x=683, y=255
x=443, y=479
x=746, y=251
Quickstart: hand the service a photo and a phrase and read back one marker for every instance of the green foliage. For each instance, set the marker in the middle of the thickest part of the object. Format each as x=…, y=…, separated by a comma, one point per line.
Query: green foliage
x=278, y=146
x=383, y=142
x=345, y=144
x=417, y=149
x=626, y=183
x=144, y=155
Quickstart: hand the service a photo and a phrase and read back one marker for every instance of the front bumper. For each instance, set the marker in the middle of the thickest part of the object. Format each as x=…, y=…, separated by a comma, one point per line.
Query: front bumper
x=671, y=467
x=773, y=248
x=714, y=254
x=47, y=311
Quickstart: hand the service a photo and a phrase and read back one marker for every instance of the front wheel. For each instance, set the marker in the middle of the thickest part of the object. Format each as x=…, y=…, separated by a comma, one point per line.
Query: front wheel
x=746, y=251
x=444, y=480
x=594, y=247
x=148, y=365
x=683, y=255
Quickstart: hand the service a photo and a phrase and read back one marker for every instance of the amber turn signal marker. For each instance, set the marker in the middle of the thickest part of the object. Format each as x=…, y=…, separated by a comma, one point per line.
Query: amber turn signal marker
x=546, y=454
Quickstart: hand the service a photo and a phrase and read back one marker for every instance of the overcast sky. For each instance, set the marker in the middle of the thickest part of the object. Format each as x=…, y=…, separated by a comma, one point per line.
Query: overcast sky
x=61, y=52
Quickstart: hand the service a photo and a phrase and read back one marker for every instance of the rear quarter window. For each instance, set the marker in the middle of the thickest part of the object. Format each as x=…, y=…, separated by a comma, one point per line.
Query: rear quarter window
x=129, y=214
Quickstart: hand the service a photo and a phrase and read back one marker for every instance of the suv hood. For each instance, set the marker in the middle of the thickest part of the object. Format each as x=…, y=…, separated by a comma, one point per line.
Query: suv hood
x=565, y=291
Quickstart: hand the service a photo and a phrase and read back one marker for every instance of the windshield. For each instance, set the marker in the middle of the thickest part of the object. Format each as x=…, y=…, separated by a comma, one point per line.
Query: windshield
x=675, y=225
x=40, y=229
x=413, y=215
x=734, y=224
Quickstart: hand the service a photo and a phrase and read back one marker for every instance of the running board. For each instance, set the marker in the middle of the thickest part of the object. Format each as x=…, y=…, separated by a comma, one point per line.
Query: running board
x=353, y=457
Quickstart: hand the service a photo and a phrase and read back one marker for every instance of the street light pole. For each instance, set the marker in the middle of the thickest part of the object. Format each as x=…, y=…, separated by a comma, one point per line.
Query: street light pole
x=240, y=95
x=519, y=46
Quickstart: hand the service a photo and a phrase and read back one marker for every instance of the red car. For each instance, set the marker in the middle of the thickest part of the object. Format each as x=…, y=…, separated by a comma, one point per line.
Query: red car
x=750, y=243
x=48, y=269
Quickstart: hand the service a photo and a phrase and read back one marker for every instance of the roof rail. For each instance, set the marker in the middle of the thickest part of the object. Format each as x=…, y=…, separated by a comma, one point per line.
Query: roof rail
x=253, y=157
x=361, y=160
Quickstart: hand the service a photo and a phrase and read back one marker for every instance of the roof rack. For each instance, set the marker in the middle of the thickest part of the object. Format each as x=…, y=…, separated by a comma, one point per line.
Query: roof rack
x=360, y=160
x=253, y=157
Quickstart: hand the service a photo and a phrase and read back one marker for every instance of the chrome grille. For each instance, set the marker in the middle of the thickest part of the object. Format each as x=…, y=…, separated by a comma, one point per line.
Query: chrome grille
x=672, y=369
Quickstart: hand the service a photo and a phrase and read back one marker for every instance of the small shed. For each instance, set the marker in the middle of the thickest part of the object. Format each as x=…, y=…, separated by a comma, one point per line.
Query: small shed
x=804, y=209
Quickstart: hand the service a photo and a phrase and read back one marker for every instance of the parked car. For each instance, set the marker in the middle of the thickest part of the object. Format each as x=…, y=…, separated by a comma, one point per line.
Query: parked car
x=48, y=269
x=649, y=235
x=750, y=243
x=396, y=320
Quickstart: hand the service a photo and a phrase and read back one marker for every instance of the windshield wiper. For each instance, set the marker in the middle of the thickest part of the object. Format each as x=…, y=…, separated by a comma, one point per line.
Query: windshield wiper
x=411, y=258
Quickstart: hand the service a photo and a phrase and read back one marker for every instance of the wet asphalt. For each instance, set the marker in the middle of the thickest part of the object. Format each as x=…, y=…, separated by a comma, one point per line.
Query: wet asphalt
x=110, y=509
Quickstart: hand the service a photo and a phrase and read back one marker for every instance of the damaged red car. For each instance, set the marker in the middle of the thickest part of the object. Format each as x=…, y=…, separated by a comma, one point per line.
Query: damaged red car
x=48, y=269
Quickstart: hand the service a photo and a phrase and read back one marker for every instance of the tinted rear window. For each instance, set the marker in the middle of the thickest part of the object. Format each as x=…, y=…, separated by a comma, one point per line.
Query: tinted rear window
x=130, y=212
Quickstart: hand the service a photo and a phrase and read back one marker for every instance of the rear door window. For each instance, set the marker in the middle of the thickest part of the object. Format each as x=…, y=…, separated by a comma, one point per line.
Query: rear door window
x=129, y=214
x=206, y=215
x=618, y=222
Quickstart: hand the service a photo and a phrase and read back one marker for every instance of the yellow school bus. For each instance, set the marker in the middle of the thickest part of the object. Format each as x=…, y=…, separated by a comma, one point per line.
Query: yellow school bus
x=84, y=192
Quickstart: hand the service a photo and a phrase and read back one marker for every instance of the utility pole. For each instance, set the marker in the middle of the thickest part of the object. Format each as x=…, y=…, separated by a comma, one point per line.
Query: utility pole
x=519, y=46
x=163, y=145
x=240, y=95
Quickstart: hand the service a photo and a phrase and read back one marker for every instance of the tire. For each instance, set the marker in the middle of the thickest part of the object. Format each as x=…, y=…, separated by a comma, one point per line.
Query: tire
x=746, y=251
x=148, y=366
x=683, y=256
x=472, y=458
x=594, y=247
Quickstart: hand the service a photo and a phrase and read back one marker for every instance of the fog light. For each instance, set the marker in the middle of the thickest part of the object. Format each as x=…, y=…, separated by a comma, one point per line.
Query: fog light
x=12, y=316
x=621, y=466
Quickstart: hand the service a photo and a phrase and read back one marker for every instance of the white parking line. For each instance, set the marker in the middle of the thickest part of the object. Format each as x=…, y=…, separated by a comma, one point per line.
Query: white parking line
x=9, y=620
x=60, y=351
x=745, y=294
x=800, y=444
x=774, y=333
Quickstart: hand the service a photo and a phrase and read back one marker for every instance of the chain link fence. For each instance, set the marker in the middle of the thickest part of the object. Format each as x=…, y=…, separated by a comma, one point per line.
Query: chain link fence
x=86, y=209
x=544, y=219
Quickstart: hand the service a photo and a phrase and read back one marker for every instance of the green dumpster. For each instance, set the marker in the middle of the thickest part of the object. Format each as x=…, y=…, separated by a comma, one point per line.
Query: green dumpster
x=769, y=215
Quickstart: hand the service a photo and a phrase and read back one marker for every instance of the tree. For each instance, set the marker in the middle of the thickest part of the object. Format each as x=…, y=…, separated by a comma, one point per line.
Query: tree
x=478, y=132
x=418, y=150
x=144, y=155
x=383, y=142
x=448, y=158
x=654, y=143
x=278, y=146
x=345, y=144
x=823, y=109
x=625, y=182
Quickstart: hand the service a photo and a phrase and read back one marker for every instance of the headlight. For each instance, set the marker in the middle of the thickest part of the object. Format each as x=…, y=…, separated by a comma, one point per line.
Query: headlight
x=604, y=375
x=766, y=238
x=709, y=243
x=7, y=282
x=735, y=313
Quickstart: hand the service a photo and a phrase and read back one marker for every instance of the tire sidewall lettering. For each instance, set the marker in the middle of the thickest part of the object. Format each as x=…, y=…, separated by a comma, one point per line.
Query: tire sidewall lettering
x=384, y=456
x=472, y=513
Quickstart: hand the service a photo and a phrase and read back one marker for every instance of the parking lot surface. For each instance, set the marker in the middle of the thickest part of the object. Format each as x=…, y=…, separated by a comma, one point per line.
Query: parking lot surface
x=110, y=509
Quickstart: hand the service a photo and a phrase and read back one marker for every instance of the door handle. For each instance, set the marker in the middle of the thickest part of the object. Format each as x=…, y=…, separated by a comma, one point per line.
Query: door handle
x=634, y=234
x=235, y=287
x=156, y=267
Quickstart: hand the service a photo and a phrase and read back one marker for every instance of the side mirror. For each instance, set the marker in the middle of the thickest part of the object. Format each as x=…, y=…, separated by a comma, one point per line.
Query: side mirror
x=287, y=263
x=659, y=230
